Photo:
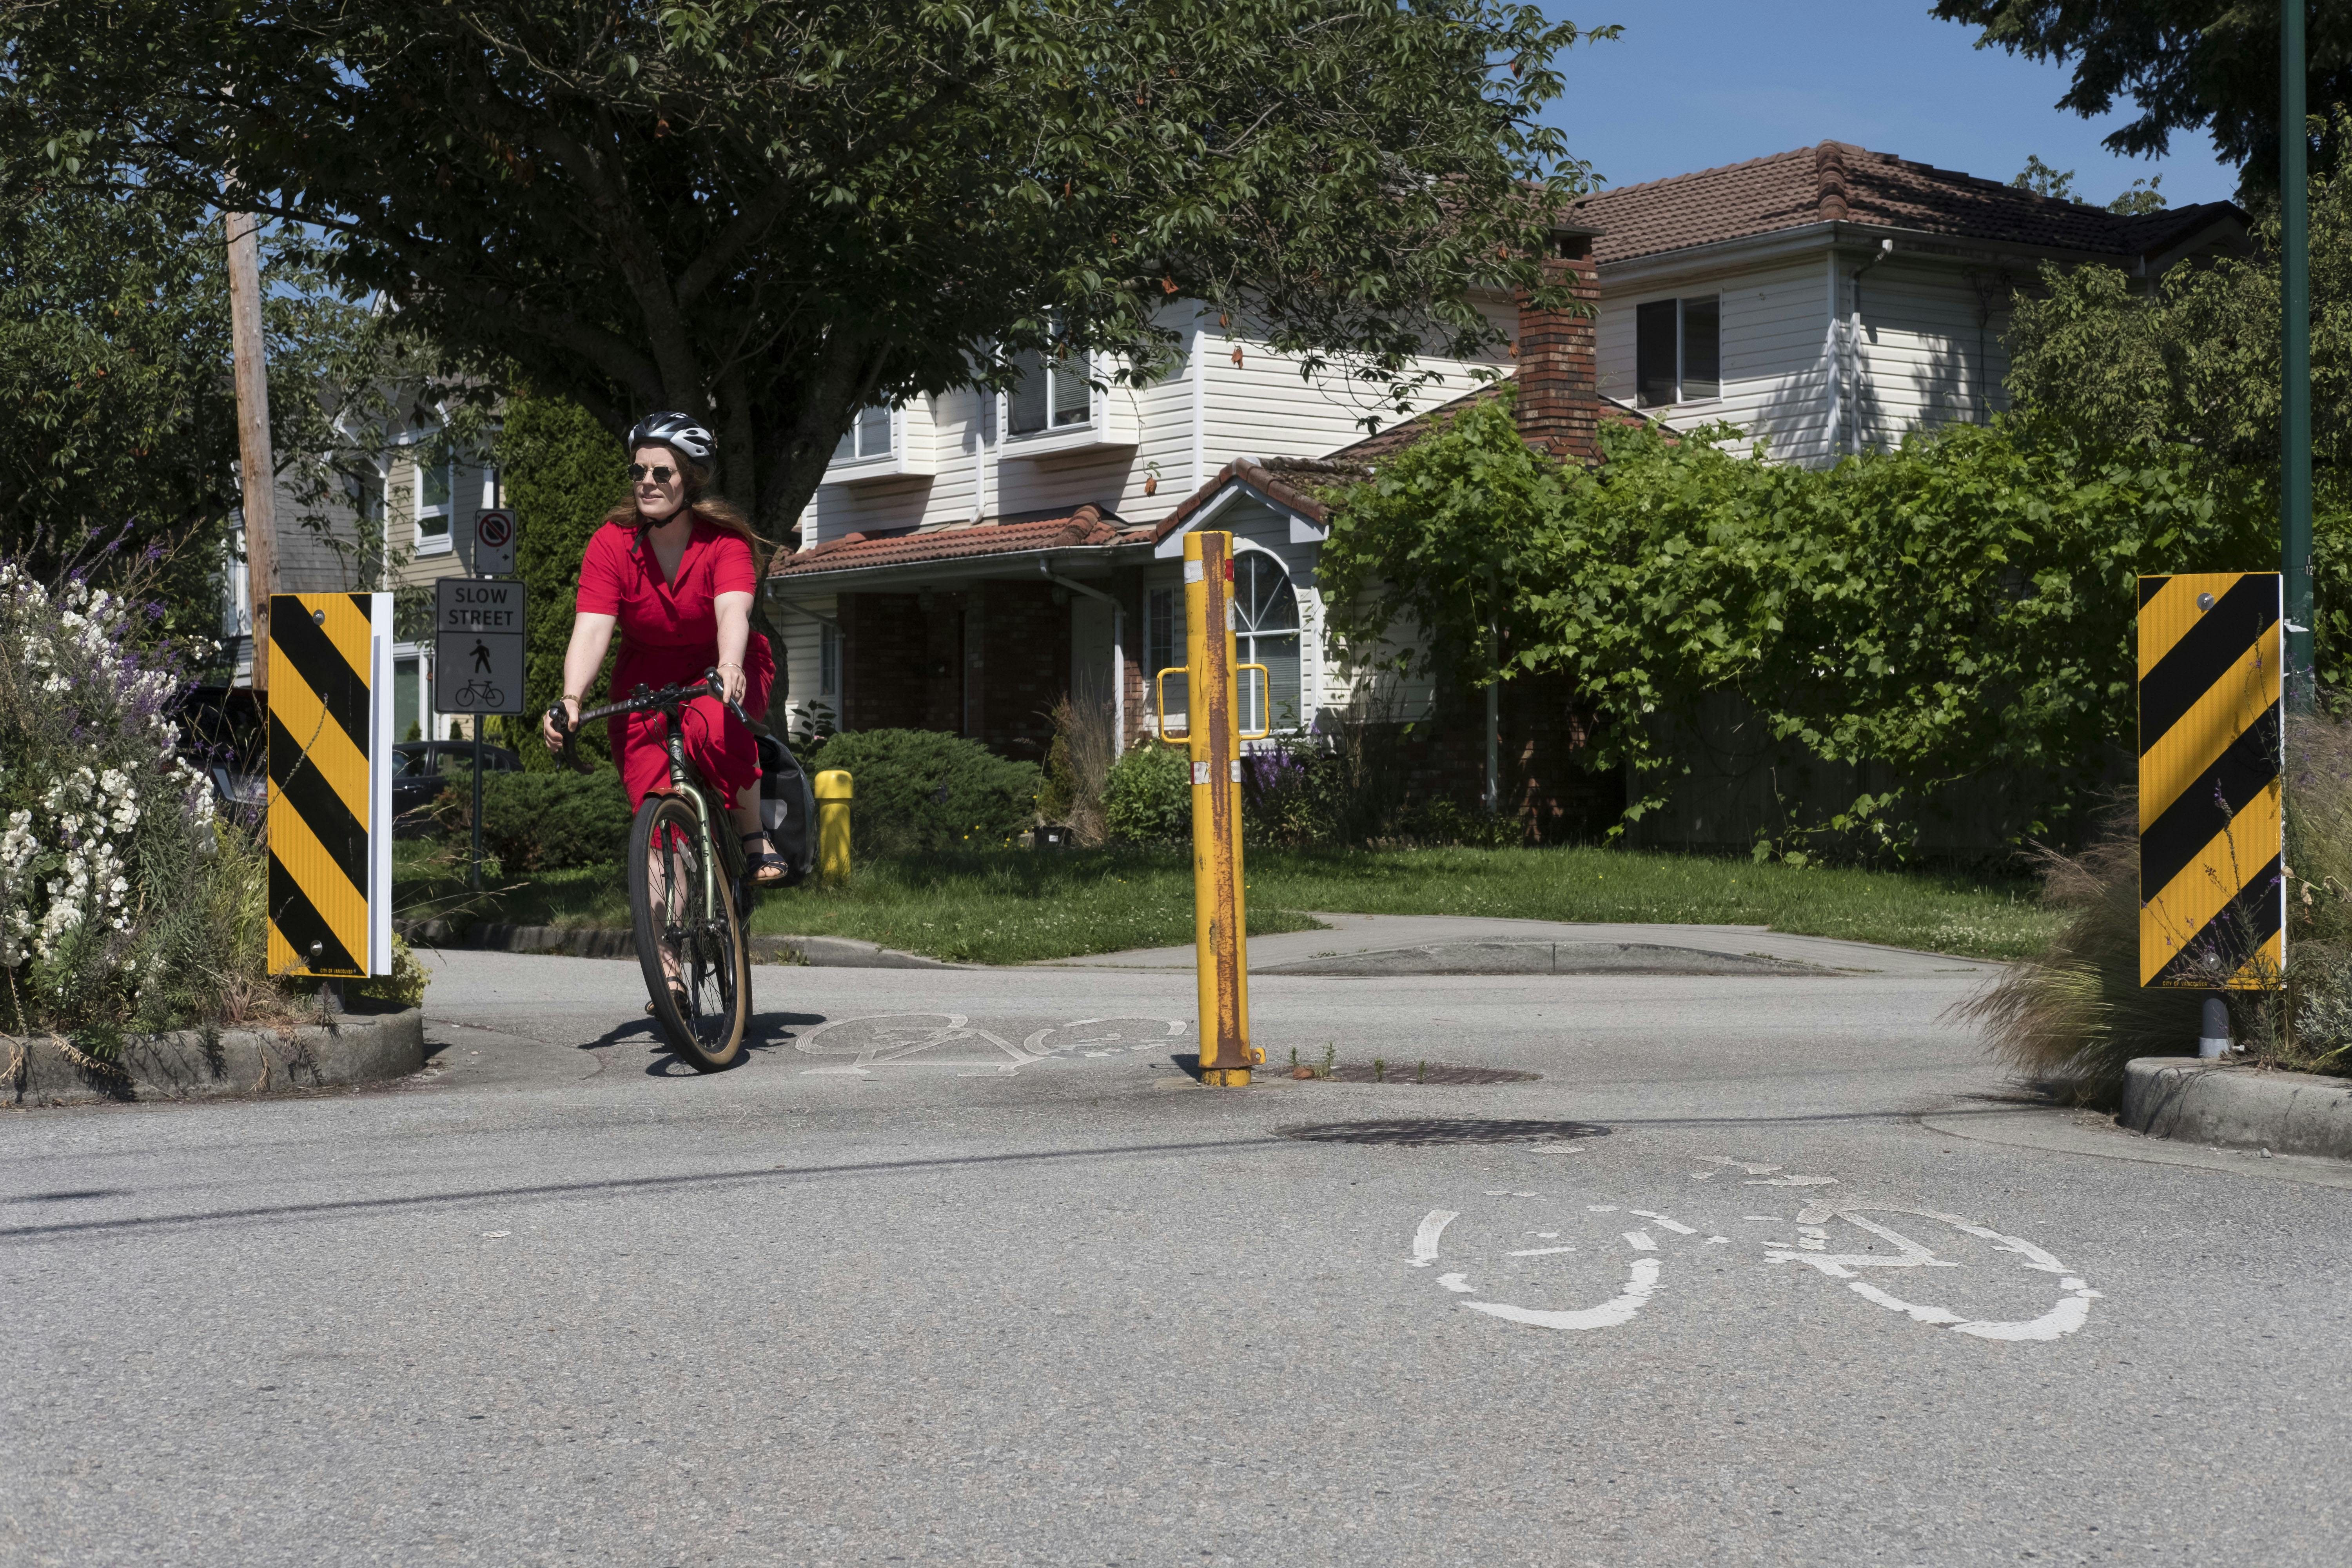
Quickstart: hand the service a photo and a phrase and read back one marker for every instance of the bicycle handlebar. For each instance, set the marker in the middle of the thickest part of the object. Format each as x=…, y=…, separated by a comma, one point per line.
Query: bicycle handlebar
x=641, y=700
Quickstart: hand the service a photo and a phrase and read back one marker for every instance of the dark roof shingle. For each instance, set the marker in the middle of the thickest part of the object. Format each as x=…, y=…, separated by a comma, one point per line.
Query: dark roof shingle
x=1837, y=182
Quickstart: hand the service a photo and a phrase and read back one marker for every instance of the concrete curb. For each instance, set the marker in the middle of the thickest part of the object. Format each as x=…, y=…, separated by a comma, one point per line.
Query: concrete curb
x=605, y=942
x=2223, y=1105
x=193, y=1064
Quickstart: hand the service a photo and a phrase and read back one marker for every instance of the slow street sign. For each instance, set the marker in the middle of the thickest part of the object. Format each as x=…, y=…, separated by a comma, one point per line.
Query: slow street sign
x=478, y=645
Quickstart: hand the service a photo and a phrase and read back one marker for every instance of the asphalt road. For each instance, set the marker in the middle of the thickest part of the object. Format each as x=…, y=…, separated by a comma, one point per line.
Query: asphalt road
x=982, y=1282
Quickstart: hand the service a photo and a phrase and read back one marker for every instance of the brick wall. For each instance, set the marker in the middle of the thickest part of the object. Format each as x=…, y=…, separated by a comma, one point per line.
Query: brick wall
x=882, y=687
x=1025, y=639
x=1541, y=753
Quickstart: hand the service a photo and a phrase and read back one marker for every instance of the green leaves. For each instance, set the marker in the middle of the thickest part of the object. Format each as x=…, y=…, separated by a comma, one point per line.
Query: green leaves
x=1958, y=610
x=781, y=212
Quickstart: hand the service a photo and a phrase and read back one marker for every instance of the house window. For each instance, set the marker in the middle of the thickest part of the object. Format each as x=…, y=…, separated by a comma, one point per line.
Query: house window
x=1265, y=631
x=828, y=660
x=434, y=475
x=1163, y=648
x=1052, y=393
x=869, y=435
x=1677, y=350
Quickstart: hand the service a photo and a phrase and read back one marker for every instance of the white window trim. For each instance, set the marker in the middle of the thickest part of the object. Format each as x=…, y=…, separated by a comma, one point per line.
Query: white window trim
x=446, y=541
x=1680, y=402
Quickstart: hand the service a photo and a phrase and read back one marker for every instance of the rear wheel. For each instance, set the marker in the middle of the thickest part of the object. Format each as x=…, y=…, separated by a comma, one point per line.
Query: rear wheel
x=690, y=935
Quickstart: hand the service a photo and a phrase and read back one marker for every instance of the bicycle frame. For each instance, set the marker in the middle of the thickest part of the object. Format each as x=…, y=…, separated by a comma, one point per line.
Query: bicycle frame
x=726, y=852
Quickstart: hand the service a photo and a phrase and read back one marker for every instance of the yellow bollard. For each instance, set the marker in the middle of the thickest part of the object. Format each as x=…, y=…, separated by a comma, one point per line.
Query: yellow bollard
x=833, y=826
x=1214, y=737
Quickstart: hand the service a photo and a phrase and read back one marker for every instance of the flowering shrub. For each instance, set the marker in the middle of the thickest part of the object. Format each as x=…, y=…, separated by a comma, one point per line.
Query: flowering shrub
x=112, y=870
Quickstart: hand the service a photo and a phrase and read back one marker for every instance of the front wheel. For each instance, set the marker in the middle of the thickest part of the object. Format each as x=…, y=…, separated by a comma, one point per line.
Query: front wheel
x=690, y=942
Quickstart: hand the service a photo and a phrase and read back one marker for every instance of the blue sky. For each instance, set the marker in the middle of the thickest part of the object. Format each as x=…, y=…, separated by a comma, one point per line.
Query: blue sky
x=1695, y=83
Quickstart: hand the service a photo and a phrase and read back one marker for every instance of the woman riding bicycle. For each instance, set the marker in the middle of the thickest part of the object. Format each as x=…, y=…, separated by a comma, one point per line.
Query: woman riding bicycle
x=675, y=570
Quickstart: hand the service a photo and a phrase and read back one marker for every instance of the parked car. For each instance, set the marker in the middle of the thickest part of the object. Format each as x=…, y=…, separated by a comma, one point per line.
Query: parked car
x=421, y=770
x=224, y=735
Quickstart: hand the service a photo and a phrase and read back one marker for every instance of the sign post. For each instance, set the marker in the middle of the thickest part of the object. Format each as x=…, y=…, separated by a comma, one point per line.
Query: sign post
x=477, y=660
x=1213, y=733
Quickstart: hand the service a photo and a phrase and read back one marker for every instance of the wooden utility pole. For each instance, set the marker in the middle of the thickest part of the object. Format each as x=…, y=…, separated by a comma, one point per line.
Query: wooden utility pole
x=256, y=470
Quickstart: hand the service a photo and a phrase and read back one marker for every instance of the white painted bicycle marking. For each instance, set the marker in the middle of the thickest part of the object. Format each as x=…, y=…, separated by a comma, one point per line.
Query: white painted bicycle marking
x=949, y=1040
x=1813, y=1236
x=1424, y=1240
x=2071, y=1312
x=1642, y=1279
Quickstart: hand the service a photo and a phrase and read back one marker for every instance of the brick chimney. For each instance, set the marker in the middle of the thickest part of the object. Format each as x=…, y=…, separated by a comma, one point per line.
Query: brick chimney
x=1559, y=380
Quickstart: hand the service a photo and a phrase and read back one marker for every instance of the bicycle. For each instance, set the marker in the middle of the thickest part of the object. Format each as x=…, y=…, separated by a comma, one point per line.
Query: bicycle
x=490, y=696
x=689, y=896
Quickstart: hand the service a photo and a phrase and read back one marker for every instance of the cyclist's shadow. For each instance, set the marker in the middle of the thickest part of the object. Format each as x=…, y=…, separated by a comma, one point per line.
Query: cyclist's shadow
x=765, y=1033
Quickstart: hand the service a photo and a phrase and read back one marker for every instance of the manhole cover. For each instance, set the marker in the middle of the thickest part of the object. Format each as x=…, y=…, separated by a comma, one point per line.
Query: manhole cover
x=1412, y=1072
x=1441, y=1129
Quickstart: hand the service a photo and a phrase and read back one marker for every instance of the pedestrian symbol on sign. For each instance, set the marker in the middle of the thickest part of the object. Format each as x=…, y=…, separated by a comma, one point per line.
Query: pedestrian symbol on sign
x=481, y=657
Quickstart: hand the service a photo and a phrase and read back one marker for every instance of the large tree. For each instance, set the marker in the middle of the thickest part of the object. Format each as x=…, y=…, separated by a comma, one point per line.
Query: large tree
x=775, y=213
x=2186, y=65
x=118, y=438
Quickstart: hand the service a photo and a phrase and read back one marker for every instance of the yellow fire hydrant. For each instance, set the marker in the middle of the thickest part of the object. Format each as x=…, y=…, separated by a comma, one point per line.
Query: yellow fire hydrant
x=833, y=826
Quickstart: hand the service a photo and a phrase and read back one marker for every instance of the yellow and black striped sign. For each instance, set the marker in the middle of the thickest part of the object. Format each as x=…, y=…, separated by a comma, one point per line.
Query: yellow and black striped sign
x=329, y=784
x=2212, y=898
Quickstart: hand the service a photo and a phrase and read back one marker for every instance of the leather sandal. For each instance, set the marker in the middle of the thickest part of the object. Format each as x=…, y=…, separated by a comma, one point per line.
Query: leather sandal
x=765, y=868
x=679, y=999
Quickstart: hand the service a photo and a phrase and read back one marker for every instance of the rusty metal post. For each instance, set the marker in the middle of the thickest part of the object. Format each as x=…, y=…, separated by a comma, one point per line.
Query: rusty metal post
x=1215, y=736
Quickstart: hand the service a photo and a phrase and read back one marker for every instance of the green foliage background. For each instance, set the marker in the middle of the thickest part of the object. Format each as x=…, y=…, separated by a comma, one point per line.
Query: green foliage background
x=1957, y=609
x=562, y=472
x=920, y=791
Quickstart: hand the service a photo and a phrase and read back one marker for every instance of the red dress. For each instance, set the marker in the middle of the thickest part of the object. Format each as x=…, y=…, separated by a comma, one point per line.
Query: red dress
x=669, y=632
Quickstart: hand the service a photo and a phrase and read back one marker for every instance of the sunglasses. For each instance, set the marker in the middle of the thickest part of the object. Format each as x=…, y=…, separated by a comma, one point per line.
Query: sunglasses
x=659, y=473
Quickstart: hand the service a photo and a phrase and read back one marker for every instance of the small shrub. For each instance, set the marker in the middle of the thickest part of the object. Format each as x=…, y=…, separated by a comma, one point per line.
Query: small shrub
x=541, y=822
x=920, y=791
x=404, y=987
x=1148, y=795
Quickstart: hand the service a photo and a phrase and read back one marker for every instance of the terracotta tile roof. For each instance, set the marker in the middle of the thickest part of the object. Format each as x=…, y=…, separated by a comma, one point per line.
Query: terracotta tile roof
x=1837, y=182
x=1282, y=479
x=1089, y=524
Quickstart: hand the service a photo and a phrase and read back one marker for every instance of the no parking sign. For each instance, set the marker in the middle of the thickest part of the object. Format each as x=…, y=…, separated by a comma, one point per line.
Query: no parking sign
x=494, y=544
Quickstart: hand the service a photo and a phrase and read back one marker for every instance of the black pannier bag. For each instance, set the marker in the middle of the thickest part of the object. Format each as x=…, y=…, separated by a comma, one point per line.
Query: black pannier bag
x=787, y=808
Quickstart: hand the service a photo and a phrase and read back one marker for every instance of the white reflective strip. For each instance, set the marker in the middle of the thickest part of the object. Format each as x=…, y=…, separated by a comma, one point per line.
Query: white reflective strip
x=1200, y=773
x=1192, y=572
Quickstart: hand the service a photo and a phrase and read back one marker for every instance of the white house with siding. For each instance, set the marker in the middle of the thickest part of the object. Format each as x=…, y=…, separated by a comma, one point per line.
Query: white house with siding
x=971, y=558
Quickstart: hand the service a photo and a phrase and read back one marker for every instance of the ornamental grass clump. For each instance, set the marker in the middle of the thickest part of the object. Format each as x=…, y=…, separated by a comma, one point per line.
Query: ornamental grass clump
x=123, y=903
x=2069, y=1019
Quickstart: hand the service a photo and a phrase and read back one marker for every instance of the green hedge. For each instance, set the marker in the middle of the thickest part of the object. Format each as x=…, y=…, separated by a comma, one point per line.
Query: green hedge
x=544, y=821
x=562, y=471
x=918, y=790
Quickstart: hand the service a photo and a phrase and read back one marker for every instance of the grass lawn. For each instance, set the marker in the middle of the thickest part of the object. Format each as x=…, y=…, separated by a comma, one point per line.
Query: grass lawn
x=1007, y=906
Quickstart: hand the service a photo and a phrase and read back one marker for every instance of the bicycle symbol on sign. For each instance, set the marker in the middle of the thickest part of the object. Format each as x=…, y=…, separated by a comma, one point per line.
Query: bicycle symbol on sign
x=480, y=691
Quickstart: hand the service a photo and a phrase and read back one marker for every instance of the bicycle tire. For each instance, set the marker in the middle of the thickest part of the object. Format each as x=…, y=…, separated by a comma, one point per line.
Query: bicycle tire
x=465, y=697
x=692, y=918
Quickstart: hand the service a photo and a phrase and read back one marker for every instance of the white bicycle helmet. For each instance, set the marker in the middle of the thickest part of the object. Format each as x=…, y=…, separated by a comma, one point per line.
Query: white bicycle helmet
x=681, y=432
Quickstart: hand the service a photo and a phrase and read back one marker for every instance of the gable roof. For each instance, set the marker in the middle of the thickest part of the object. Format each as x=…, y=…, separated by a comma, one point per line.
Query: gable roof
x=1836, y=181
x=1089, y=524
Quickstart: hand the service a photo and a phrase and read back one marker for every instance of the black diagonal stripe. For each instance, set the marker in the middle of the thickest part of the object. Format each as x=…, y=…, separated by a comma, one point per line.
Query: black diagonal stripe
x=2188, y=669
x=2149, y=588
x=2232, y=936
x=314, y=800
x=297, y=919
x=325, y=670
x=2206, y=806
x=365, y=605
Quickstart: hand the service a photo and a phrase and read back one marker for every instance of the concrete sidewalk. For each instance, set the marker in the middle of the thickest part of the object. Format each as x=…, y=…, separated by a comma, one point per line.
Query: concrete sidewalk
x=1469, y=944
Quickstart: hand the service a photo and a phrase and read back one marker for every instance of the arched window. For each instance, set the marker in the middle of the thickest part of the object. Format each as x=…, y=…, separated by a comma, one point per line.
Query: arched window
x=1265, y=631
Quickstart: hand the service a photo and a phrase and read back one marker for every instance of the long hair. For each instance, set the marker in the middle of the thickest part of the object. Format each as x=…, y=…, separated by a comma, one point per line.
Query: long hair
x=716, y=511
